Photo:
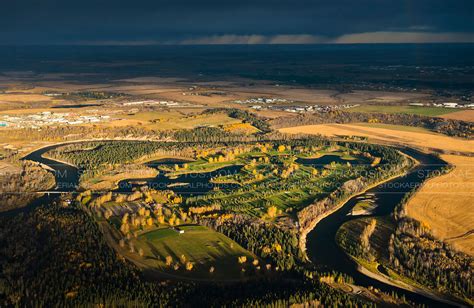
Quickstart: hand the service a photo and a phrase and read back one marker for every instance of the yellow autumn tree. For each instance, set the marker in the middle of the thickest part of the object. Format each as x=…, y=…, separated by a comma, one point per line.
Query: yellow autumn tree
x=272, y=211
x=168, y=260
x=161, y=219
x=242, y=259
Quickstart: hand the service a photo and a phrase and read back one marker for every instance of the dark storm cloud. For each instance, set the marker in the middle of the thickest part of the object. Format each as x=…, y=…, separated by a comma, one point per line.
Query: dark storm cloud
x=54, y=21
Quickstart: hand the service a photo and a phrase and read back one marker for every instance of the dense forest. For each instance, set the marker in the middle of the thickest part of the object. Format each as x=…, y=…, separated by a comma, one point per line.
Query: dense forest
x=91, y=155
x=56, y=255
x=415, y=253
x=279, y=246
x=17, y=189
x=74, y=132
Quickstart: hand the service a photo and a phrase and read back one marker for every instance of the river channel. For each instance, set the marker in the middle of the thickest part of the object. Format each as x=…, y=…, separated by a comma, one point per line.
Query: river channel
x=321, y=245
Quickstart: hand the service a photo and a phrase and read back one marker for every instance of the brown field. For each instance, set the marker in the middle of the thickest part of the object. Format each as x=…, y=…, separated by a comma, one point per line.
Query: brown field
x=28, y=111
x=65, y=86
x=140, y=89
x=464, y=115
x=23, y=98
x=446, y=204
x=314, y=96
x=7, y=168
x=272, y=114
x=148, y=79
x=213, y=99
x=355, y=97
x=390, y=134
x=326, y=97
x=172, y=120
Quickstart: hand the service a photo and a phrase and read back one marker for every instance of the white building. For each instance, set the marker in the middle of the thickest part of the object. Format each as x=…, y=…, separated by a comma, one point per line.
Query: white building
x=450, y=105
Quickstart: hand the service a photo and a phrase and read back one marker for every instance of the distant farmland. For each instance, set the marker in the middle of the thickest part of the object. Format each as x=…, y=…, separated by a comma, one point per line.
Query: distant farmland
x=388, y=133
x=418, y=110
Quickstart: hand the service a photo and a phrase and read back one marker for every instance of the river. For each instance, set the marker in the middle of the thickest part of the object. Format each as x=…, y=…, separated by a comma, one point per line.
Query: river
x=321, y=245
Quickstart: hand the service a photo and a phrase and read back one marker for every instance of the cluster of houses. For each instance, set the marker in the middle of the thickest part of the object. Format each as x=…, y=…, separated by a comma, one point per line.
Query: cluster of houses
x=262, y=100
x=307, y=108
x=170, y=104
x=445, y=105
x=48, y=118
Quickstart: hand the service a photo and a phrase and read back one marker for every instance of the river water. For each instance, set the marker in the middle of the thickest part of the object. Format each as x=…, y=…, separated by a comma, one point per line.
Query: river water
x=325, y=253
x=321, y=245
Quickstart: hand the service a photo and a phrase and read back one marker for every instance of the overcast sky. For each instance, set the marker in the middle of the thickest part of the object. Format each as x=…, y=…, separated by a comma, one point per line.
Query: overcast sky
x=230, y=21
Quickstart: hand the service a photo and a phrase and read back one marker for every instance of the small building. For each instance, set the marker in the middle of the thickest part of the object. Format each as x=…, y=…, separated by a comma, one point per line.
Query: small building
x=450, y=105
x=179, y=230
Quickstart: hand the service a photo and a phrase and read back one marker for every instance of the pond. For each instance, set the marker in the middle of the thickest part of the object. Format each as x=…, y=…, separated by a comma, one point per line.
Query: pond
x=327, y=159
x=198, y=183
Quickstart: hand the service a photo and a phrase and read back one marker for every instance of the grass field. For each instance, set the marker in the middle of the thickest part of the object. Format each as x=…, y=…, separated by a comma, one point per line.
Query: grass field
x=199, y=245
x=109, y=179
x=393, y=134
x=426, y=111
x=446, y=204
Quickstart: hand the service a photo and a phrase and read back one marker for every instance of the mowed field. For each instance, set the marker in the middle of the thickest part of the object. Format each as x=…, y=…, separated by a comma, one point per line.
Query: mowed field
x=199, y=245
x=445, y=203
x=388, y=133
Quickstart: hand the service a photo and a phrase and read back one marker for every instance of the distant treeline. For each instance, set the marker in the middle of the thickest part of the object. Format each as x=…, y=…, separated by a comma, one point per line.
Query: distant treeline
x=71, y=133
x=445, y=126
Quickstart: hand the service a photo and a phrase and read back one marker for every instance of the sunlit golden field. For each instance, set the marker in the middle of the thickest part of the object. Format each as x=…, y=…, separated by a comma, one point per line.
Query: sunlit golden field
x=446, y=204
x=388, y=133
